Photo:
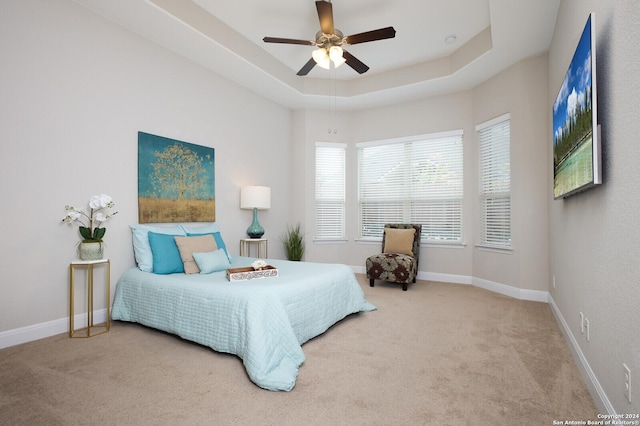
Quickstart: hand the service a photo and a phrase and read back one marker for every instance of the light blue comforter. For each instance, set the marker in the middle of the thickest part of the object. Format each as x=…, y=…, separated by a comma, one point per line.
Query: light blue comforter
x=263, y=321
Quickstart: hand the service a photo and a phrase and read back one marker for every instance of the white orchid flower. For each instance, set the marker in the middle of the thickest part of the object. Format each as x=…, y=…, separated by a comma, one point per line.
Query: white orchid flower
x=258, y=264
x=100, y=201
x=74, y=215
x=90, y=224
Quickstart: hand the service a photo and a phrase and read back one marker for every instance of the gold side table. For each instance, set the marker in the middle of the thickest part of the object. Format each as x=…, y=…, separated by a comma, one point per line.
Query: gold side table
x=262, y=247
x=91, y=329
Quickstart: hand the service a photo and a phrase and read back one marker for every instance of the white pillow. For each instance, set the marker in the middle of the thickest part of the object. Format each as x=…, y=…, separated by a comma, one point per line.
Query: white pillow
x=141, y=246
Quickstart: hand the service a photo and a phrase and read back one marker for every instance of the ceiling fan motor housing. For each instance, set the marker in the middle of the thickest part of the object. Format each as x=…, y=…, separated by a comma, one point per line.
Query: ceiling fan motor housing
x=328, y=40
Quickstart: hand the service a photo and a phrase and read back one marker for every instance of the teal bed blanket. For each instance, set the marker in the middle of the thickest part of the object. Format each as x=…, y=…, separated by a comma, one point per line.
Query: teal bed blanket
x=263, y=321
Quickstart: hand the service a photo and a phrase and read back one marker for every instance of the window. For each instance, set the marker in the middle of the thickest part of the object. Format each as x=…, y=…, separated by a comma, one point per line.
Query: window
x=330, y=191
x=412, y=180
x=495, y=183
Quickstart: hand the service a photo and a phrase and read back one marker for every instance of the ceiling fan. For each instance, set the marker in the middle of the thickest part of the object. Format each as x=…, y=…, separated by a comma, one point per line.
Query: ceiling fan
x=330, y=41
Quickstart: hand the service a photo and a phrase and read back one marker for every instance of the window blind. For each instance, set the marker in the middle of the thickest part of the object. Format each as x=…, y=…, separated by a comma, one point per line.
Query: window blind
x=414, y=180
x=495, y=182
x=330, y=191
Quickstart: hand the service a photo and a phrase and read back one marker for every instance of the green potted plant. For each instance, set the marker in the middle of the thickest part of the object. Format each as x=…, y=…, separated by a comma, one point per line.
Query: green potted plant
x=293, y=241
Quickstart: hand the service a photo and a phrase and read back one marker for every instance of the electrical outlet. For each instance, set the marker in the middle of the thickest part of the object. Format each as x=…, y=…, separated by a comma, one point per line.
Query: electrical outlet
x=586, y=327
x=627, y=382
x=581, y=323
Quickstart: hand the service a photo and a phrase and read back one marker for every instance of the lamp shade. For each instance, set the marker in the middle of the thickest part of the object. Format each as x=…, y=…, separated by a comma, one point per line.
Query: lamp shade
x=255, y=197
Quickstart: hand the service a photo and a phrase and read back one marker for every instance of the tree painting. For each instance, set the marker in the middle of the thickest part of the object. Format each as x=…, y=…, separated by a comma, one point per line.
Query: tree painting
x=175, y=181
x=178, y=170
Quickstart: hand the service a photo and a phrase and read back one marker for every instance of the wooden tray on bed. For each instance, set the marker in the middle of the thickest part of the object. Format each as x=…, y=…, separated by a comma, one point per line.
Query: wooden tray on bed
x=248, y=273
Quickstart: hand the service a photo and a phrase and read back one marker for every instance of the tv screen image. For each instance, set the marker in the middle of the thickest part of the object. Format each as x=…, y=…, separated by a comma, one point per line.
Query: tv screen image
x=576, y=139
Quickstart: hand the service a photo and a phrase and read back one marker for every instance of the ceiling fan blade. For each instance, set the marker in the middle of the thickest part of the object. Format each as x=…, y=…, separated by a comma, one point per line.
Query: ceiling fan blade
x=354, y=62
x=287, y=41
x=380, y=34
x=307, y=67
x=325, y=15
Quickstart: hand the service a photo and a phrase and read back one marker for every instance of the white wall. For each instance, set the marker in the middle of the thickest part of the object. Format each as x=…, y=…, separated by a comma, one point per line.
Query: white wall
x=595, y=236
x=74, y=91
x=520, y=90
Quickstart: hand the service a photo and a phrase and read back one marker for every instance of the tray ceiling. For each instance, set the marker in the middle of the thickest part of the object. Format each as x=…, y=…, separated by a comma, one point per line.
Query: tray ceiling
x=226, y=37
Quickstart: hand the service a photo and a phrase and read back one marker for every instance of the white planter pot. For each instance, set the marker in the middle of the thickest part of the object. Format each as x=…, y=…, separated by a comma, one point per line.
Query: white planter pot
x=90, y=251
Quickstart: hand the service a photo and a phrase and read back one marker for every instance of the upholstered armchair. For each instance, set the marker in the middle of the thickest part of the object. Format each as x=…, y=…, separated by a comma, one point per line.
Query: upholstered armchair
x=398, y=262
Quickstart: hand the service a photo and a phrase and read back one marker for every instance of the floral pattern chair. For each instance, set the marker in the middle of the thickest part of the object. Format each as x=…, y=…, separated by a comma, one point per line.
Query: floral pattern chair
x=398, y=261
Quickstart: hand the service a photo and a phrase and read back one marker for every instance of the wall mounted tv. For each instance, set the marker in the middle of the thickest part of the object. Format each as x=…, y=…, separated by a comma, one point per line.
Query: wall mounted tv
x=576, y=137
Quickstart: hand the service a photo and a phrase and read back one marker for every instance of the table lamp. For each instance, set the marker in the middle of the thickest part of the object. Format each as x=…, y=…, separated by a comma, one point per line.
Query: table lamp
x=255, y=197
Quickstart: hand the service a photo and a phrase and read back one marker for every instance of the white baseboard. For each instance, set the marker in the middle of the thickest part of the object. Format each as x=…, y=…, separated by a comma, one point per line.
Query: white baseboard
x=507, y=290
x=516, y=293
x=597, y=393
x=445, y=278
x=46, y=329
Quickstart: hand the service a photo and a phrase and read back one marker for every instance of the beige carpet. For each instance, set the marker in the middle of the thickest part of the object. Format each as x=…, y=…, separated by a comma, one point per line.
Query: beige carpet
x=438, y=354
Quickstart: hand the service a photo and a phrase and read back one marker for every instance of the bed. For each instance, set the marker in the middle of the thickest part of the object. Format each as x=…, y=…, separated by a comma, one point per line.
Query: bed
x=262, y=321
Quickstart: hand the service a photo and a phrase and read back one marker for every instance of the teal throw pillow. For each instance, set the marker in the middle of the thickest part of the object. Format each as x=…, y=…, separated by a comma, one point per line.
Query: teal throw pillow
x=213, y=261
x=166, y=256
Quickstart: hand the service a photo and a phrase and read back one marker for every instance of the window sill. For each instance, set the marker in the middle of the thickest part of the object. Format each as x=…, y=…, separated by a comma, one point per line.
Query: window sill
x=377, y=241
x=502, y=250
x=331, y=241
x=444, y=245
x=428, y=245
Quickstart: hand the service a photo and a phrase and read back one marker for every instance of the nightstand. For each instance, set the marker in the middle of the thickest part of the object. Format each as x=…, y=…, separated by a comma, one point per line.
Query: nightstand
x=91, y=329
x=261, y=244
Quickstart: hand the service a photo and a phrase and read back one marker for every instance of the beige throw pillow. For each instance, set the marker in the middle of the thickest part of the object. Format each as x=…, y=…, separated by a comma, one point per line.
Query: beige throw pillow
x=398, y=240
x=189, y=245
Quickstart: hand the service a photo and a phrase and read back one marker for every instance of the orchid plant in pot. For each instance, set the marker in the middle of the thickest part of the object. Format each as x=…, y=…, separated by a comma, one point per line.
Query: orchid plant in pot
x=91, y=225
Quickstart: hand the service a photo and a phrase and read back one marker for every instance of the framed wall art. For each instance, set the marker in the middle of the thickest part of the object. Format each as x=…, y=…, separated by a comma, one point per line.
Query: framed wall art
x=176, y=181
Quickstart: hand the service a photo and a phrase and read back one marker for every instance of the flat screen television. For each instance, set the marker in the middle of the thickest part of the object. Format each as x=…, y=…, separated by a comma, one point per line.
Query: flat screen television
x=576, y=136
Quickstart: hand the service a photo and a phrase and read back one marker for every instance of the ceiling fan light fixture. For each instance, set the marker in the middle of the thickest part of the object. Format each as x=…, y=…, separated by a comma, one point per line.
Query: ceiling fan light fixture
x=321, y=57
x=335, y=53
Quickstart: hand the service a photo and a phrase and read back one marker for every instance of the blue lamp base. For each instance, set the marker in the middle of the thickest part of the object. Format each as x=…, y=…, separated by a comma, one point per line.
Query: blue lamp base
x=255, y=230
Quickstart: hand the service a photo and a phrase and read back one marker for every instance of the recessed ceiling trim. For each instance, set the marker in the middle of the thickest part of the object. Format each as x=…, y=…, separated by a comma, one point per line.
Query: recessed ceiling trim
x=209, y=26
x=188, y=29
x=472, y=50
